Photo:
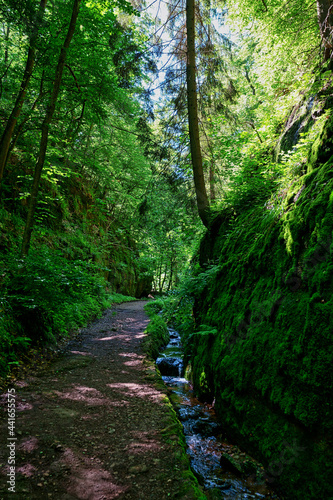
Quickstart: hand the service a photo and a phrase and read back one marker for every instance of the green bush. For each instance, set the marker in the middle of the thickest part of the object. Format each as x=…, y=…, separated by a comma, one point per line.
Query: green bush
x=45, y=286
x=47, y=295
x=154, y=307
x=118, y=298
x=157, y=336
x=11, y=339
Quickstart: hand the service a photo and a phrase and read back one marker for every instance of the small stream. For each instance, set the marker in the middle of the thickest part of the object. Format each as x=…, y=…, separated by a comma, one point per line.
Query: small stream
x=221, y=467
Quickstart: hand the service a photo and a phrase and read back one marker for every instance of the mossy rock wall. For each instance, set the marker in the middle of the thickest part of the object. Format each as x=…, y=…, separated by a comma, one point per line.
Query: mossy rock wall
x=265, y=351
x=127, y=275
x=77, y=224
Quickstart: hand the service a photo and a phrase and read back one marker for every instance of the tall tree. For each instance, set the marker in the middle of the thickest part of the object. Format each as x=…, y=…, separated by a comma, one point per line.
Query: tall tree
x=200, y=55
x=193, y=120
x=325, y=20
x=45, y=128
x=16, y=111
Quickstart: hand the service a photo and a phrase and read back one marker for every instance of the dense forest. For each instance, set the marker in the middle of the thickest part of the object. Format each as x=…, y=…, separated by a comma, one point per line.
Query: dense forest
x=181, y=150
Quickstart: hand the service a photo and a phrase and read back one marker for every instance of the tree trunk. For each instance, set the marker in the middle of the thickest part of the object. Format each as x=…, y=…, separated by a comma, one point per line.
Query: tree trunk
x=212, y=193
x=6, y=32
x=175, y=273
x=20, y=128
x=325, y=20
x=160, y=277
x=170, y=275
x=45, y=129
x=164, y=276
x=12, y=120
x=193, y=121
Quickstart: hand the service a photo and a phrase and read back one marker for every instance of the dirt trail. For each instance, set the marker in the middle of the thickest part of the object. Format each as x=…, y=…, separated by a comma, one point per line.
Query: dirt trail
x=89, y=427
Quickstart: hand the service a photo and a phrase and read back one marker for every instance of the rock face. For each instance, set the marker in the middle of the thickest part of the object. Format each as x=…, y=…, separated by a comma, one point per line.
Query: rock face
x=127, y=275
x=298, y=122
x=301, y=118
x=270, y=365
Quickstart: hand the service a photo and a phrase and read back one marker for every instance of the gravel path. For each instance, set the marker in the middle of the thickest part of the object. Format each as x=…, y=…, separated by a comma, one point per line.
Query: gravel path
x=91, y=426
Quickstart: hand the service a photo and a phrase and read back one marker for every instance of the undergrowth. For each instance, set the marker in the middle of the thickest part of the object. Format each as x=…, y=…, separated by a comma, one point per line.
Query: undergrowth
x=157, y=334
x=118, y=298
x=43, y=297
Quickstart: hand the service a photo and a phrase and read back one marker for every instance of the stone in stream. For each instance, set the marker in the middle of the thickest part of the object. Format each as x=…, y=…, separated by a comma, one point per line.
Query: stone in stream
x=171, y=351
x=230, y=464
x=216, y=493
x=173, y=334
x=207, y=428
x=170, y=366
x=188, y=412
x=238, y=467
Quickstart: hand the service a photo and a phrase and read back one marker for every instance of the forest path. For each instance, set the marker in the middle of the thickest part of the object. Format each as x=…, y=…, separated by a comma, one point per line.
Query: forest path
x=89, y=426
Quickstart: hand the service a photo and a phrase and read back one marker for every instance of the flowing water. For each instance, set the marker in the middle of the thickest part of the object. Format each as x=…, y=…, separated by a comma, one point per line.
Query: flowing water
x=221, y=467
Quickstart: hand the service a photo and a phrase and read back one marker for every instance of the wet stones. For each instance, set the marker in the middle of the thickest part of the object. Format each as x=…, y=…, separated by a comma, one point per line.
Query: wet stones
x=206, y=428
x=238, y=467
x=171, y=367
x=221, y=474
x=170, y=362
x=230, y=465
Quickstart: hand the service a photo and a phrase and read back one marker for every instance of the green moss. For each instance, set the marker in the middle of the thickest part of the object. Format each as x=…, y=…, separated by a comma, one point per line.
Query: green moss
x=157, y=336
x=322, y=148
x=269, y=367
x=173, y=434
x=118, y=298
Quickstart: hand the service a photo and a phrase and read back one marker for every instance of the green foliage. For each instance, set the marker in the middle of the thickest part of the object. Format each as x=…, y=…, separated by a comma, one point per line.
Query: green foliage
x=197, y=279
x=176, y=307
x=12, y=341
x=45, y=290
x=95, y=170
x=118, y=298
x=154, y=307
x=157, y=336
x=116, y=211
x=171, y=228
x=62, y=283
x=283, y=61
